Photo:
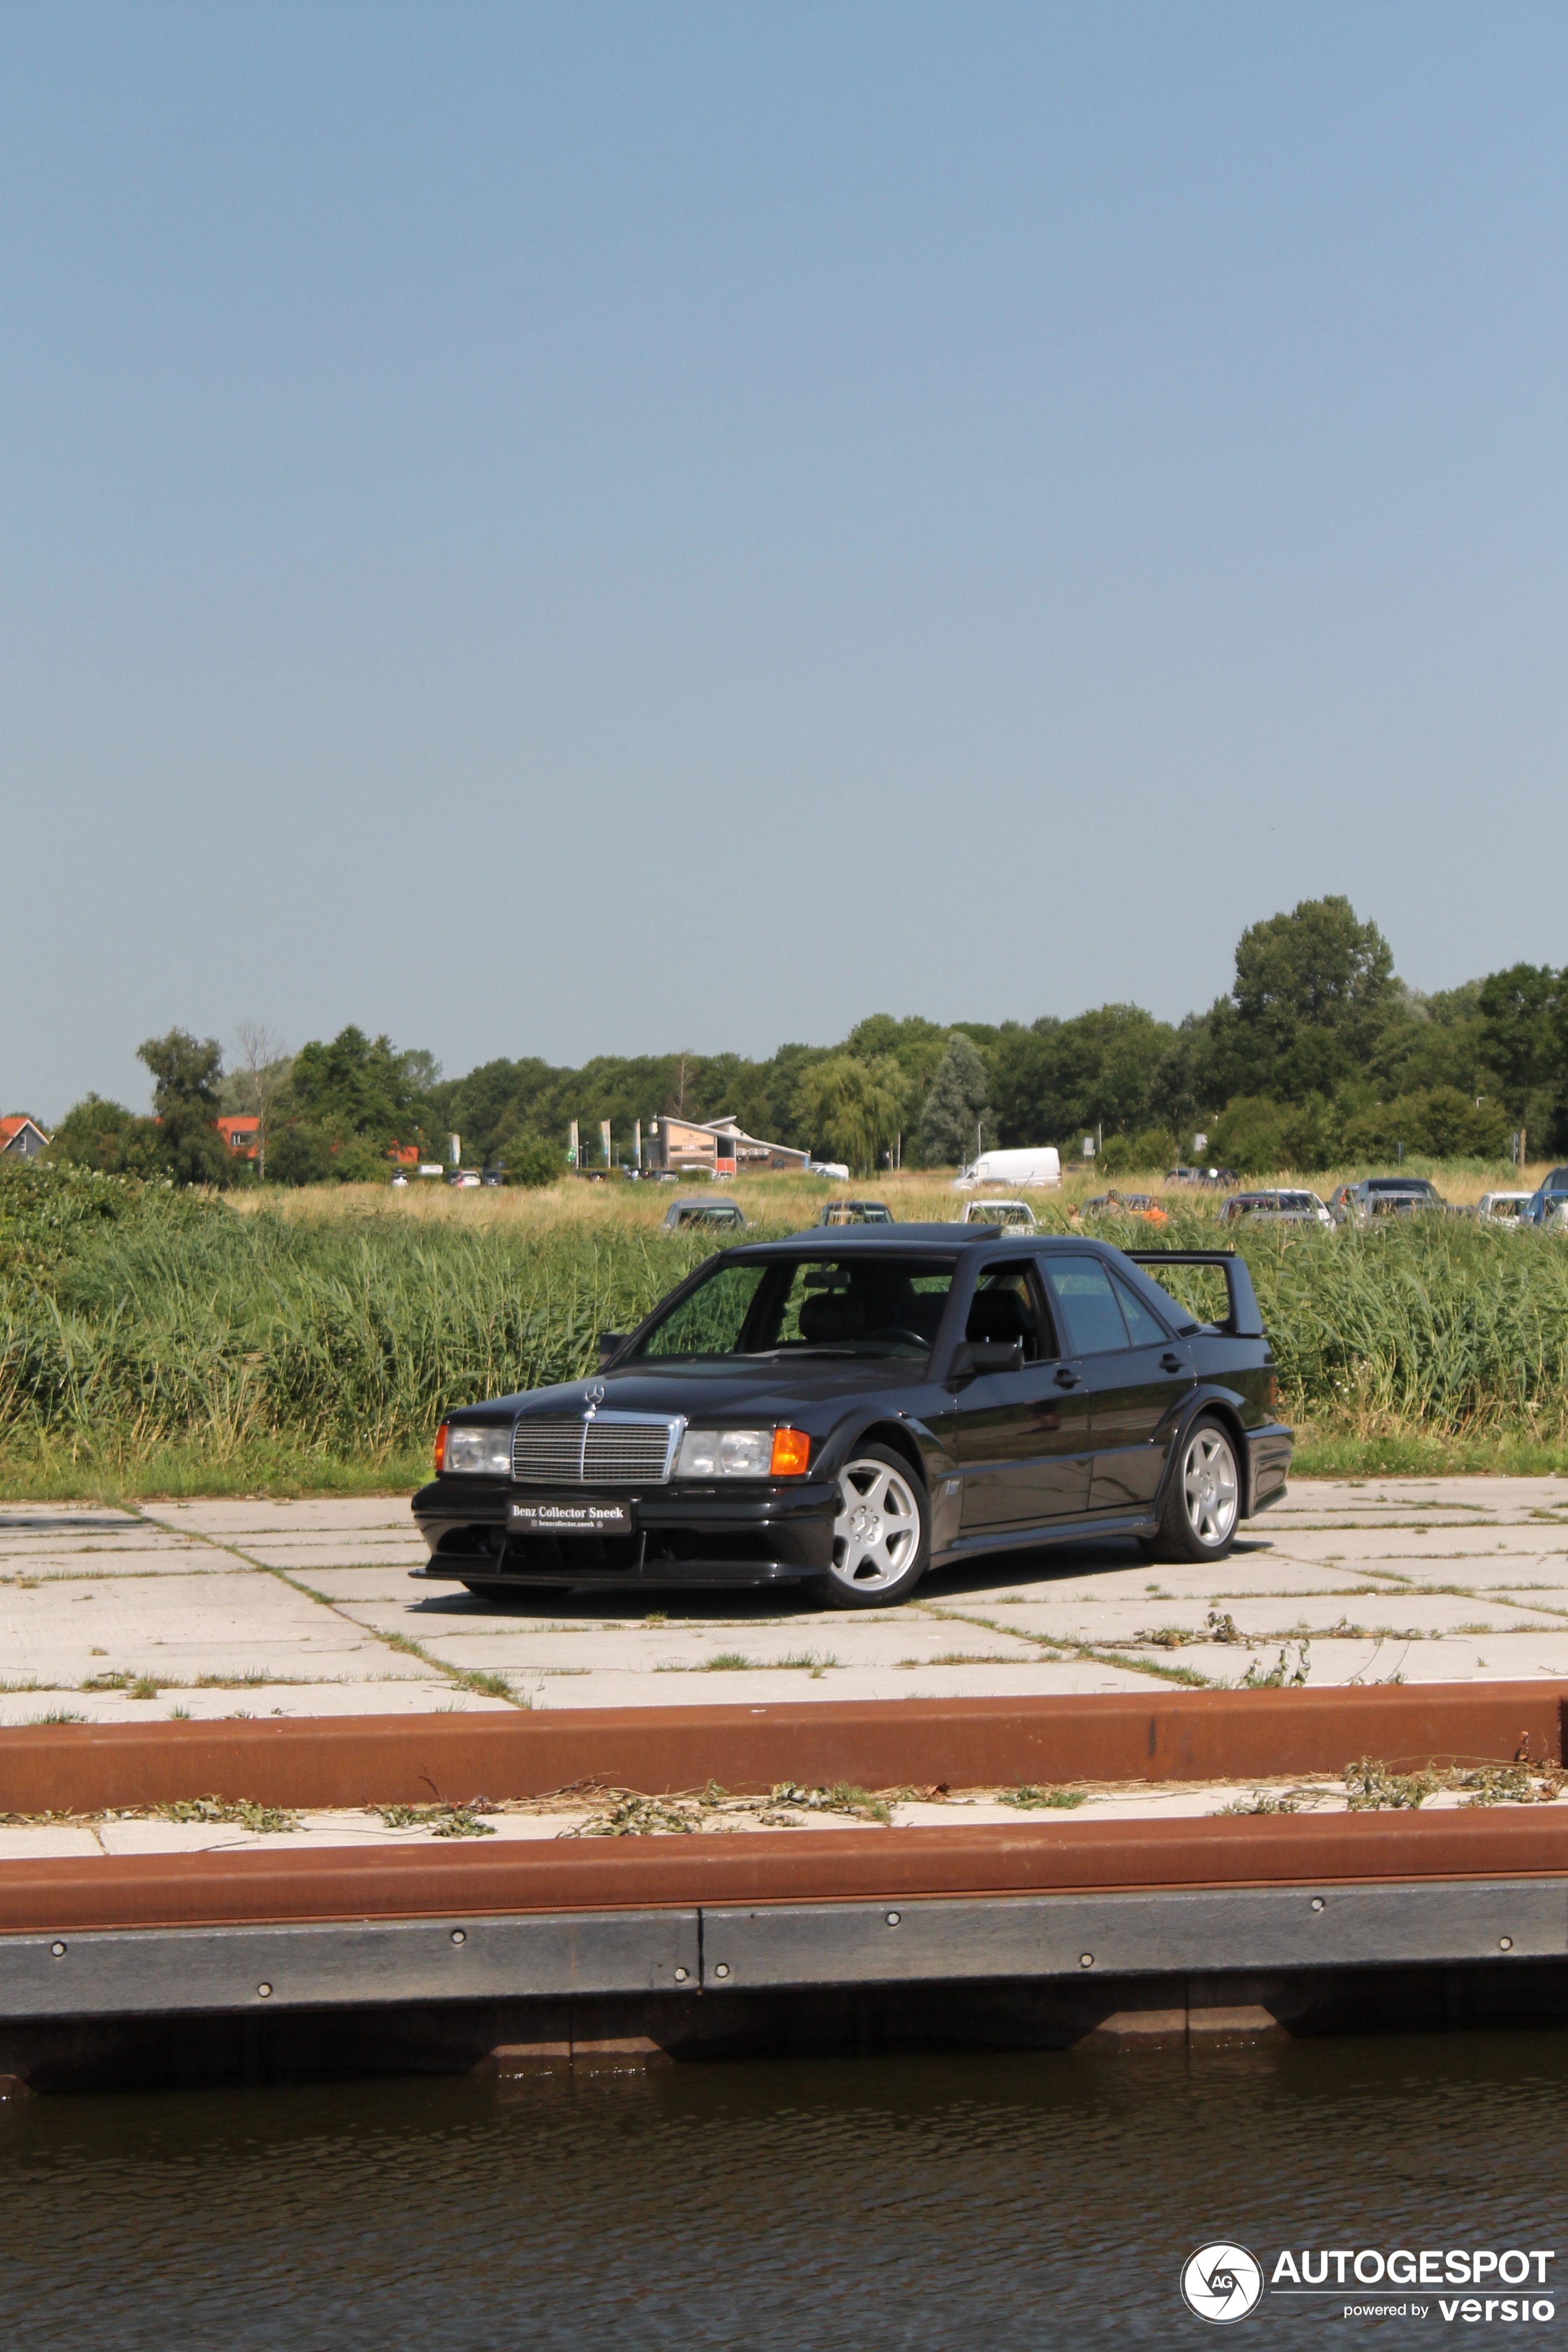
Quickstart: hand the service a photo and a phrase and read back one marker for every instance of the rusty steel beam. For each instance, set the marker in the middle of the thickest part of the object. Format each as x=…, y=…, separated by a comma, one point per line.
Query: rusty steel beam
x=559, y=1876
x=1169, y=1735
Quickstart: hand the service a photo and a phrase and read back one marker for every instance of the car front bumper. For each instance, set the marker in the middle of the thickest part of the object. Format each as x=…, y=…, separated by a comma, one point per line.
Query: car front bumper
x=772, y=1534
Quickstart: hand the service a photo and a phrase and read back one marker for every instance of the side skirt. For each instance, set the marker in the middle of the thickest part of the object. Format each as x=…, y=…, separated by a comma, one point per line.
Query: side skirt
x=1054, y=1532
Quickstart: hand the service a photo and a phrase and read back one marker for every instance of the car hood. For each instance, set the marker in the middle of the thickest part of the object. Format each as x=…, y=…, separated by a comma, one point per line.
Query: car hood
x=813, y=1392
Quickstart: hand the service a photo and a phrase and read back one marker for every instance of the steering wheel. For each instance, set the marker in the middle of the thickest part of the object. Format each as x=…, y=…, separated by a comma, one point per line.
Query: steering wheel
x=901, y=1331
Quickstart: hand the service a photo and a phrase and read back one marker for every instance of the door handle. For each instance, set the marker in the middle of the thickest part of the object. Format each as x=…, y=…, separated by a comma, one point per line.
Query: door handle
x=1065, y=1379
x=1170, y=1364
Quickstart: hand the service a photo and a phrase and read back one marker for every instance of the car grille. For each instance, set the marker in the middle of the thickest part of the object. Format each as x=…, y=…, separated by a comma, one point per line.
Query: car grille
x=614, y=1450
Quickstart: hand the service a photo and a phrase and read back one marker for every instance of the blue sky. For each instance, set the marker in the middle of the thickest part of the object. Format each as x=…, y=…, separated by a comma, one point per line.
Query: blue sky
x=556, y=529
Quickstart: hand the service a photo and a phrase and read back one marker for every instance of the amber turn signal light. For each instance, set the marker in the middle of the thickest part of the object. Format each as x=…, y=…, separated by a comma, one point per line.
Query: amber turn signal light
x=440, y=1449
x=792, y=1452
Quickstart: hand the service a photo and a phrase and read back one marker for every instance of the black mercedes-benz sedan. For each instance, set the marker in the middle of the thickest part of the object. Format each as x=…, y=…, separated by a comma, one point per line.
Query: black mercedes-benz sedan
x=845, y=1407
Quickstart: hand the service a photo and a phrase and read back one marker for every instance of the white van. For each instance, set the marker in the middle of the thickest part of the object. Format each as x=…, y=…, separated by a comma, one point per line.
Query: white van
x=1039, y=1164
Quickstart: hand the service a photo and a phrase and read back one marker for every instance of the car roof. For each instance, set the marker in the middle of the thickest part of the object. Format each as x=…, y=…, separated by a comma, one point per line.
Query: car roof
x=888, y=1241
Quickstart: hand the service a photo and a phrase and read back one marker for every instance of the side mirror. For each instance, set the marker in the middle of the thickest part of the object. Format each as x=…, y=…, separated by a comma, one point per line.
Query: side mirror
x=973, y=1357
x=610, y=1345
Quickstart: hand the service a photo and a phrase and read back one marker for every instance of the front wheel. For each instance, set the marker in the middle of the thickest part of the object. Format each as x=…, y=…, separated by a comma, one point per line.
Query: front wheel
x=881, y=1533
x=1203, y=1499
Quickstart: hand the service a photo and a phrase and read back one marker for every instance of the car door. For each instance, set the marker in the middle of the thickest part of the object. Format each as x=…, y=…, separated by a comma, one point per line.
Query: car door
x=1021, y=1438
x=1137, y=1377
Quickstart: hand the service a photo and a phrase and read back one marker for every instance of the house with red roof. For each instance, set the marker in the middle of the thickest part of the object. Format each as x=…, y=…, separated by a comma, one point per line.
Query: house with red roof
x=242, y=1135
x=22, y=1139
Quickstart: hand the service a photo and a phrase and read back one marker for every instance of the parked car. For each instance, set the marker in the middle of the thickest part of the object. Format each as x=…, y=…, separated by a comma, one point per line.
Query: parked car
x=702, y=1213
x=1549, y=1198
x=1388, y=1196
x=857, y=1212
x=1504, y=1209
x=1274, y=1208
x=1036, y=1165
x=1128, y=1205
x=1011, y=1214
x=846, y=1411
x=1213, y=1177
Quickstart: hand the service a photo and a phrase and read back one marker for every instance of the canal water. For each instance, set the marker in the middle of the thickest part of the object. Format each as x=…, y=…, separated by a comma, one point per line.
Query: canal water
x=971, y=2203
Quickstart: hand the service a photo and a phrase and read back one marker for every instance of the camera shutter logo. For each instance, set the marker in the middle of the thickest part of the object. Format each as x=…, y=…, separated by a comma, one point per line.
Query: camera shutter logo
x=1222, y=2282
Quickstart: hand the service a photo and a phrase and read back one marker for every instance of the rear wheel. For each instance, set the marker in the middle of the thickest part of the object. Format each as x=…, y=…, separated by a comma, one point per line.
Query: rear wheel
x=881, y=1534
x=1203, y=1499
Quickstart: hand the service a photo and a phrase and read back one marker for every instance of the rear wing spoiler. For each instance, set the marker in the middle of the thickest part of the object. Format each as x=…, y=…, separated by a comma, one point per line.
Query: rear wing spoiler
x=1243, y=1321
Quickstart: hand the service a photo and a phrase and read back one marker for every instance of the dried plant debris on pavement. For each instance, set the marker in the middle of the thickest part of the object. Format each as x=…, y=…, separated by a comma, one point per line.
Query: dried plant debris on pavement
x=239, y=1813
x=1375, y=1787
x=440, y=1820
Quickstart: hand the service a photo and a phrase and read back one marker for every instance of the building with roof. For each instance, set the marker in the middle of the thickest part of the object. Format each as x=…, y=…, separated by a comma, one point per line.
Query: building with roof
x=716, y=1147
x=21, y=1137
x=242, y=1135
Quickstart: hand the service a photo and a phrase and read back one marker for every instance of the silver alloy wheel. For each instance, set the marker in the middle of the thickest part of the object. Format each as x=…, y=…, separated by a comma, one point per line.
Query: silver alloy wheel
x=1210, y=1486
x=876, y=1534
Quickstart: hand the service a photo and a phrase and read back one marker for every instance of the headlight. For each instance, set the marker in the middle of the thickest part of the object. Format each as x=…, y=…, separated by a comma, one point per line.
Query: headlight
x=485, y=1453
x=725, y=1453
x=742, y=1453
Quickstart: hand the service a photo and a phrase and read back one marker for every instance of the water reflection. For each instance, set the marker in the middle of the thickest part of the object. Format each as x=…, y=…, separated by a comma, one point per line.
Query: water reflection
x=995, y=2201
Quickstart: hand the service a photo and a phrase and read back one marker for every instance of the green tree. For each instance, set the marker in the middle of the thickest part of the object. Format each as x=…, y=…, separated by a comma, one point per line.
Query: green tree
x=1524, y=1040
x=363, y=1087
x=1100, y=1069
x=299, y=1154
x=1314, y=994
x=850, y=1111
x=1250, y=1135
x=107, y=1137
x=531, y=1161
x=845, y=1113
x=187, y=1078
x=957, y=1106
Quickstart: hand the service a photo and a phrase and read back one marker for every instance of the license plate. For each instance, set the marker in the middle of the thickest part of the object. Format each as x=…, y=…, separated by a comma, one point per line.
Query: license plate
x=549, y=1515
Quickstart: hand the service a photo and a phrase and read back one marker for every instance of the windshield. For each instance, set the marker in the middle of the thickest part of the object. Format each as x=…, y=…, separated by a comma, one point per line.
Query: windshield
x=861, y=1306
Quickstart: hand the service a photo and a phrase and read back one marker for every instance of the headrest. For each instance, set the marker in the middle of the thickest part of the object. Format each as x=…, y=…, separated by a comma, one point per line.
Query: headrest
x=829, y=1315
x=997, y=1314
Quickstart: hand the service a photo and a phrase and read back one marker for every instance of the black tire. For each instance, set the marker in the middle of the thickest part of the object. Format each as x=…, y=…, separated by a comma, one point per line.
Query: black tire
x=1202, y=1508
x=878, y=1561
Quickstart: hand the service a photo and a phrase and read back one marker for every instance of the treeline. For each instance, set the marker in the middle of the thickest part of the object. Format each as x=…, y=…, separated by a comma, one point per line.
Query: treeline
x=1319, y=1053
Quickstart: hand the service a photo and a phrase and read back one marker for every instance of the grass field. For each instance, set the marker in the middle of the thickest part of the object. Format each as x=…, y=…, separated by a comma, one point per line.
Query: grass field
x=155, y=1343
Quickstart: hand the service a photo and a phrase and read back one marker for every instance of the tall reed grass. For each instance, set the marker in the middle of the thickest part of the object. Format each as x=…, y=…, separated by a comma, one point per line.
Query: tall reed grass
x=146, y=1335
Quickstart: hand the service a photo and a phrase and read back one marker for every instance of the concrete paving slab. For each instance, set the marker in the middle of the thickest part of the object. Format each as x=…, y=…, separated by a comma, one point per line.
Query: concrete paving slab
x=225, y=1517
x=432, y=1694
x=231, y=1622
x=634, y=1687
x=227, y=1587
x=59, y=1842
x=478, y=1637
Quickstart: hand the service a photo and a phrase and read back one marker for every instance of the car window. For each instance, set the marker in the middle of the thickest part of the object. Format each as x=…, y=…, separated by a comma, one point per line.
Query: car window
x=873, y=1306
x=866, y=1307
x=710, y=1320
x=1082, y=1293
x=1007, y=1305
x=1145, y=1331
